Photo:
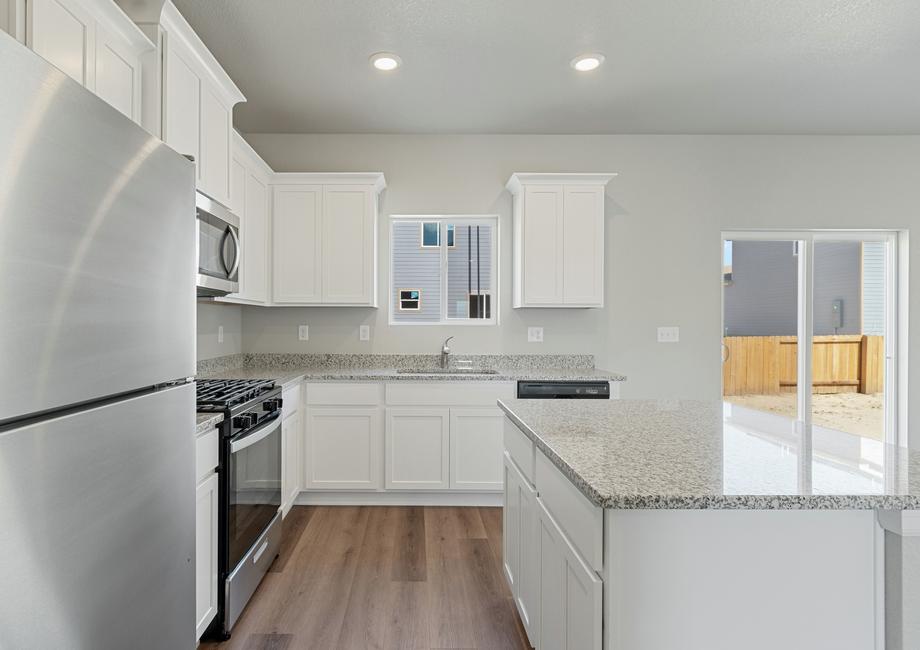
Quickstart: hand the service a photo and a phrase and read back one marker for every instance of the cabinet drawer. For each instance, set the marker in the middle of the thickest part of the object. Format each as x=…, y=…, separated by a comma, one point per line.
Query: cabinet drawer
x=448, y=393
x=580, y=520
x=343, y=394
x=205, y=454
x=521, y=449
x=290, y=400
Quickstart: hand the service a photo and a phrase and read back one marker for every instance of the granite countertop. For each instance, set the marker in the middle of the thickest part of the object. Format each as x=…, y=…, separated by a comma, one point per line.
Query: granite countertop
x=283, y=374
x=637, y=454
x=205, y=421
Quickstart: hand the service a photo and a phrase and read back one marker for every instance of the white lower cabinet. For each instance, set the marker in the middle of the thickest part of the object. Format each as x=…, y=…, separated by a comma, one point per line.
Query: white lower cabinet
x=519, y=551
x=342, y=450
x=476, y=448
x=417, y=448
x=205, y=553
x=558, y=594
x=290, y=464
x=571, y=593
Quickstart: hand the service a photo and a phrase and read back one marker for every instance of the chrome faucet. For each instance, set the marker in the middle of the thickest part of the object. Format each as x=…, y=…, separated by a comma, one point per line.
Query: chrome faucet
x=445, y=352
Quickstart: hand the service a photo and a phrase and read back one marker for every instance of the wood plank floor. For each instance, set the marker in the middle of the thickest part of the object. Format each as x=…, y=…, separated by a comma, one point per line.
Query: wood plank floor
x=356, y=578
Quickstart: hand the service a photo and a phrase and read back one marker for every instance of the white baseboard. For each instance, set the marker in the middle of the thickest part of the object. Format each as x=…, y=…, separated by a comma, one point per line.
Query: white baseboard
x=487, y=499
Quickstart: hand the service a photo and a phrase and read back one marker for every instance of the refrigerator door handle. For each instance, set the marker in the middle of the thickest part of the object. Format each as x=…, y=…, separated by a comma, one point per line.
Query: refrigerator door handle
x=257, y=434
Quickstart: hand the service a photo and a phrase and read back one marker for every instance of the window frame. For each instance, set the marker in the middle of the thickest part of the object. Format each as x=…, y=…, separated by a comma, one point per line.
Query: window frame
x=443, y=220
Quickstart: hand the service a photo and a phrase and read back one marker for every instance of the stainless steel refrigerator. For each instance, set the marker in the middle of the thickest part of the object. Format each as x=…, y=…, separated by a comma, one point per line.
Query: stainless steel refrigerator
x=97, y=345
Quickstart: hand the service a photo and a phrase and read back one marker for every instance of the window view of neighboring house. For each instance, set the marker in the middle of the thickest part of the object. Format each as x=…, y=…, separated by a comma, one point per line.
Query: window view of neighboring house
x=464, y=291
x=760, y=288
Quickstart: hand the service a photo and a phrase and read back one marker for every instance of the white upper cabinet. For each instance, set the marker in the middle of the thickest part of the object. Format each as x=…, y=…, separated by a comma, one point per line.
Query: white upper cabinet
x=250, y=200
x=324, y=239
x=558, y=239
x=92, y=41
x=194, y=114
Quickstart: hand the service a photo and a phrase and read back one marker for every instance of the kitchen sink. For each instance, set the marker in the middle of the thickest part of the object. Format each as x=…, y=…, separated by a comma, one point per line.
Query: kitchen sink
x=447, y=371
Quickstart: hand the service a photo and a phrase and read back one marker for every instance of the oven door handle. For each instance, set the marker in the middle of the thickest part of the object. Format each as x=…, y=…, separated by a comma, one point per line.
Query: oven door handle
x=254, y=436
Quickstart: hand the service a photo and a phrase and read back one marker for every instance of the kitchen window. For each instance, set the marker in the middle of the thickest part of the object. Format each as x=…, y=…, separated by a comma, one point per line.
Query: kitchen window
x=450, y=260
x=431, y=235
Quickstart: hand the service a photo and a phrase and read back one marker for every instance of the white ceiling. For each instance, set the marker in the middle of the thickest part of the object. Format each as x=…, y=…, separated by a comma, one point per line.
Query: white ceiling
x=502, y=66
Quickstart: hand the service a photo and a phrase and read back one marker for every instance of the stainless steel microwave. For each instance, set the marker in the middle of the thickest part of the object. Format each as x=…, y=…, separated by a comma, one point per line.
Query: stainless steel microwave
x=218, y=248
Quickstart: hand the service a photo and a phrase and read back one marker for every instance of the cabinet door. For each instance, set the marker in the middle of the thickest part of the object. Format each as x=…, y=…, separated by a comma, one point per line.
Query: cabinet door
x=476, y=448
x=527, y=596
x=182, y=107
x=290, y=467
x=342, y=450
x=417, y=449
x=349, y=232
x=205, y=553
x=215, y=146
x=542, y=242
x=255, y=240
x=511, y=524
x=63, y=32
x=296, y=254
x=238, y=174
x=583, y=246
x=570, y=592
x=118, y=74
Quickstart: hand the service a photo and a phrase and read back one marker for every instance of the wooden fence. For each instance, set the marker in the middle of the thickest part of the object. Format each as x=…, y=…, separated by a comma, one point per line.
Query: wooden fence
x=766, y=365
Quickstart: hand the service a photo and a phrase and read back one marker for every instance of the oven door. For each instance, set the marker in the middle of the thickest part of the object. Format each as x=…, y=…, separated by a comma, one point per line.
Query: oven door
x=254, y=487
x=218, y=248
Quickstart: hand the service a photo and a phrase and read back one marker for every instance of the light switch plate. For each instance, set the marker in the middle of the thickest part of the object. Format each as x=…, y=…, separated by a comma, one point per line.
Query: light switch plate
x=364, y=333
x=303, y=333
x=535, y=335
x=220, y=333
x=668, y=334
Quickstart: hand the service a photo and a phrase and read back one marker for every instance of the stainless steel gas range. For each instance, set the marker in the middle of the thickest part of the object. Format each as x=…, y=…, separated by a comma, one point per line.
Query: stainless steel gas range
x=249, y=478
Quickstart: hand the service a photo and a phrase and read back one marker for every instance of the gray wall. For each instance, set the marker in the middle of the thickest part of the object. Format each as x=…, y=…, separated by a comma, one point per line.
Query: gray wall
x=665, y=213
x=212, y=315
x=762, y=298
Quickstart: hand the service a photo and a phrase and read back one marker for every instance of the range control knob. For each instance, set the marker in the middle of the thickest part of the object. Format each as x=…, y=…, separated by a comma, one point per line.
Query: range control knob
x=245, y=420
x=271, y=405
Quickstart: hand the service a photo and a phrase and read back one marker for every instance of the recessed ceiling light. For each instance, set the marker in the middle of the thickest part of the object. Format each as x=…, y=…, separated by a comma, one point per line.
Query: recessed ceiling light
x=587, y=62
x=385, y=61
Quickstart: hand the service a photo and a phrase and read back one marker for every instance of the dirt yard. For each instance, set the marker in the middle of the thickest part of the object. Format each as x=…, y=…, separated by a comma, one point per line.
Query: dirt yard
x=855, y=413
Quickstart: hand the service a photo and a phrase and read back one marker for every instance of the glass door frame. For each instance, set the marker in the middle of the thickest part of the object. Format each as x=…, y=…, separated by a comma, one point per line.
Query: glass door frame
x=895, y=403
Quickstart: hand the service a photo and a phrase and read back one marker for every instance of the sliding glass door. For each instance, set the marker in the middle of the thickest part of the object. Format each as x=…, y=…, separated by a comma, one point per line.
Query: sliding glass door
x=808, y=326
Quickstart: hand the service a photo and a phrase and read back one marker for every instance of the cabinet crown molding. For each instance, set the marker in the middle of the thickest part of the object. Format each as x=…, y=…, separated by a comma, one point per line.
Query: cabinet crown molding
x=377, y=179
x=519, y=179
x=178, y=28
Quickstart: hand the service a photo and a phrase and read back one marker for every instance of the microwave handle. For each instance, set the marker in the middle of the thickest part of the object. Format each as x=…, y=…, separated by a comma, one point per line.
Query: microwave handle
x=255, y=435
x=236, y=256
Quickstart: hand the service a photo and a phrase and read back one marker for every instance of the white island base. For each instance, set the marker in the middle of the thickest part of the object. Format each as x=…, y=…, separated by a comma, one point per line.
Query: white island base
x=585, y=577
x=752, y=579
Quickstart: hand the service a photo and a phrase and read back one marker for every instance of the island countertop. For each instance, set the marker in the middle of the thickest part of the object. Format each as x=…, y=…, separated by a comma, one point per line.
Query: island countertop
x=646, y=454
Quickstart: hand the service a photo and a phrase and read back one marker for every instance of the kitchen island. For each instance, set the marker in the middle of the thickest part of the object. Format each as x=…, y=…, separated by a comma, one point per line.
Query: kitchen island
x=659, y=525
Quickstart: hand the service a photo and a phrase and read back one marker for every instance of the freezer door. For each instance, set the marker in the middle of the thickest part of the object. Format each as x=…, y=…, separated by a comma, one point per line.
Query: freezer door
x=97, y=245
x=97, y=542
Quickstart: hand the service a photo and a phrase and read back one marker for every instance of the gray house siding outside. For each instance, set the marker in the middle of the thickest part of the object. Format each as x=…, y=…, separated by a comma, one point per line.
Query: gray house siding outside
x=461, y=271
x=873, y=288
x=415, y=267
x=762, y=298
x=419, y=268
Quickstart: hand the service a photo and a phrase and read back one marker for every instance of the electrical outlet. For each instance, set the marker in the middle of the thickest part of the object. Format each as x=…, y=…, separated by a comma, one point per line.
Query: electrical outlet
x=220, y=333
x=364, y=333
x=535, y=335
x=668, y=334
x=303, y=333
